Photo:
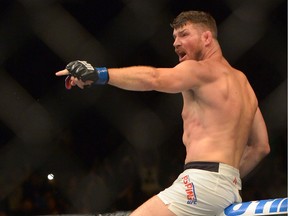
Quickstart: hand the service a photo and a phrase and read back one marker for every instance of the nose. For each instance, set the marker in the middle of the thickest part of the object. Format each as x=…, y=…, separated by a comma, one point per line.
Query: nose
x=176, y=42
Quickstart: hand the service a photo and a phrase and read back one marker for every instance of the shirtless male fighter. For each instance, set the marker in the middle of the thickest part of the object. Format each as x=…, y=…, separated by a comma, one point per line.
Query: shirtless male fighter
x=224, y=132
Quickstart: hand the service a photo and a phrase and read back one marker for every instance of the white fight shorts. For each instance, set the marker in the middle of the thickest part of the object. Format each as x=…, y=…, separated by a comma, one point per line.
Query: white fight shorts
x=204, y=188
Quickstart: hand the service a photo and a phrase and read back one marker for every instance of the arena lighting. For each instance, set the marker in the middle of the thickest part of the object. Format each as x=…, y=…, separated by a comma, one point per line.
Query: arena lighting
x=50, y=176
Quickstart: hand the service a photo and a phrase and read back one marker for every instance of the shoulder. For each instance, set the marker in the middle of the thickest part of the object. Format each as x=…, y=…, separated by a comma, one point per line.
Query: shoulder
x=241, y=77
x=239, y=74
x=205, y=71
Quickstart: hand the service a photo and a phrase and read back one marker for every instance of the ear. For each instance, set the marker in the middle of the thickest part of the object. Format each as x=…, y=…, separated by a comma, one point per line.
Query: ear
x=207, y=37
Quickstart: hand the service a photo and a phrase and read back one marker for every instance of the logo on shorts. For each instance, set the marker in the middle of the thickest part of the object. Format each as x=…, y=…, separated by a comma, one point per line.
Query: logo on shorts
x=190, y=190
x=235, y=181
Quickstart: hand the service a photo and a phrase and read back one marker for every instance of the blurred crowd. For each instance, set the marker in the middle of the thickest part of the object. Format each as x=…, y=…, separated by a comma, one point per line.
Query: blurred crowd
x=118, y=184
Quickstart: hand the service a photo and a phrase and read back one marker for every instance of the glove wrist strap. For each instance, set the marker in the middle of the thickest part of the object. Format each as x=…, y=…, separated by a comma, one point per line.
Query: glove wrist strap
x=103, y=76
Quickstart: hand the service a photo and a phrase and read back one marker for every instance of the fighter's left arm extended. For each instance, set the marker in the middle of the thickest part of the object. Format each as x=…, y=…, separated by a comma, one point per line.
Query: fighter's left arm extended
x=186, y=75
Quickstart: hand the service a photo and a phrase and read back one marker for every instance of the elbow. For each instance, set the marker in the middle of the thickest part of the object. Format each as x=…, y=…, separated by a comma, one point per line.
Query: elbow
x=153, y=82
x=265, y=150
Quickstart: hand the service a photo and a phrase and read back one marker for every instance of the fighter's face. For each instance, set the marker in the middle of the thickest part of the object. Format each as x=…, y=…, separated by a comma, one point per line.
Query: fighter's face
x=187, y=42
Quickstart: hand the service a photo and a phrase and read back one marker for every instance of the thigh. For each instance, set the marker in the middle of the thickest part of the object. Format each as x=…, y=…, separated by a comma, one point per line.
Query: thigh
x=153, y=207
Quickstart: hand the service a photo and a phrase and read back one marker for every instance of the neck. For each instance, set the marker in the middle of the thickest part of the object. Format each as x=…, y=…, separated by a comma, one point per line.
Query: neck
x=212, y=51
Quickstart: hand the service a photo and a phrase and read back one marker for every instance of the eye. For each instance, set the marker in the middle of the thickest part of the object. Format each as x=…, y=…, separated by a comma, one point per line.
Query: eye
x=184, y=34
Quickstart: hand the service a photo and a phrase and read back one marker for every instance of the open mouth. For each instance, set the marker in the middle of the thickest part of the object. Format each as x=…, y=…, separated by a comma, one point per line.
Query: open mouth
x=181, y=56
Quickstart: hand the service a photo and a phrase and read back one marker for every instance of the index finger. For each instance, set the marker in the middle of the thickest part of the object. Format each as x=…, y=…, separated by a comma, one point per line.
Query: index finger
x=62, y=72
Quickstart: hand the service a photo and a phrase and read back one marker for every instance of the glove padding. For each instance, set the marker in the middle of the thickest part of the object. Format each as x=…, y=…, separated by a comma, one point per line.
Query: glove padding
x=82, y=70
x=86, y=72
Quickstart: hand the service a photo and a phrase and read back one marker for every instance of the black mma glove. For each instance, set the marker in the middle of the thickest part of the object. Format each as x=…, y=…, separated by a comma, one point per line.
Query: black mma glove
x=86, y=72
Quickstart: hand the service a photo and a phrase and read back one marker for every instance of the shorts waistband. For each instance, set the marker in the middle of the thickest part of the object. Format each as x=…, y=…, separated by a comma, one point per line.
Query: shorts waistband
x=213, y=167
x=208, y=166
x=220, y=168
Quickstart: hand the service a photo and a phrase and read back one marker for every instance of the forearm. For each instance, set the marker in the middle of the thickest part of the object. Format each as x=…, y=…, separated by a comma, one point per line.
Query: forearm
x=257, y=146
x=251, y=158
x=135, y=78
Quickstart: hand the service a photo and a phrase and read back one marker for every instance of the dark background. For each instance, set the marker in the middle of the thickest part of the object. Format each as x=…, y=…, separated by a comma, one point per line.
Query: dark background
x=111, y=149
